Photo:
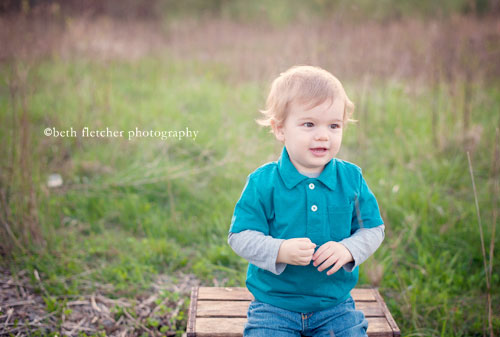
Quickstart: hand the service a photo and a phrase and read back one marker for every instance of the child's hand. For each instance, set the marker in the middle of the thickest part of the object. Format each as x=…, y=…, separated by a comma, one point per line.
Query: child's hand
x=296, y=251
x=332, y=253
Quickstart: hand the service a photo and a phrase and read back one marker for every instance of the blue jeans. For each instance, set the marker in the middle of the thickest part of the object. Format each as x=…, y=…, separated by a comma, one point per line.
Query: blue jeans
x=343, y=320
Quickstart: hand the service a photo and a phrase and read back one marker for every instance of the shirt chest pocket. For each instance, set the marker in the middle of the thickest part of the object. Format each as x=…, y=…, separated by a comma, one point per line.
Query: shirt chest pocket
x=339, y=221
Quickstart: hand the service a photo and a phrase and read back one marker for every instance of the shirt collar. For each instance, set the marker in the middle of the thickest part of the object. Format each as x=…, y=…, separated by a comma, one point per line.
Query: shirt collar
x=291, y=177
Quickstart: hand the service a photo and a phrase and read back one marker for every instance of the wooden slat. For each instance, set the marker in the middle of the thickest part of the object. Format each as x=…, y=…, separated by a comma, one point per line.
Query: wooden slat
x=388, y=316
x=363, y=295
x=220, y=327
x=191, y=324
x=370, y=309
x=223, y=308
x=242, y=294
x=240, y=308
x=219, y=293
x=233, y=327
x=378, y=327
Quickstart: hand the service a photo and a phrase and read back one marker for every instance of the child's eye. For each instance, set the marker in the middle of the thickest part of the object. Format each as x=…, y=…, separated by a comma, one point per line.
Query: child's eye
x=308, y=124
x=334, y=126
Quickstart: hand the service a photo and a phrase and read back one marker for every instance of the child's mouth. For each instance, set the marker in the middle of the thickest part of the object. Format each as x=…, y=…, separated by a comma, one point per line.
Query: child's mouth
x=319, y=151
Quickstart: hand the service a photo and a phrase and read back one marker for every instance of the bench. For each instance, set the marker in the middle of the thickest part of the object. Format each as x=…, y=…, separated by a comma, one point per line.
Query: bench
x=222, y=312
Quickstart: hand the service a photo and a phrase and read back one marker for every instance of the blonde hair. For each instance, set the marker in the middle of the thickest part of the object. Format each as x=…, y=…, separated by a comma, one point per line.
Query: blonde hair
x=304, y=85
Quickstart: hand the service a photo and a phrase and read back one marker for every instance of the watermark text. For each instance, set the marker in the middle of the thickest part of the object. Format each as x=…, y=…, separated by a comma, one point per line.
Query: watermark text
x=107, y=132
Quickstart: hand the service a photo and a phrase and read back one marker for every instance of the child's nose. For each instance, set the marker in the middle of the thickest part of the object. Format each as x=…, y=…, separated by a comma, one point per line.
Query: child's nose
x=321, y=135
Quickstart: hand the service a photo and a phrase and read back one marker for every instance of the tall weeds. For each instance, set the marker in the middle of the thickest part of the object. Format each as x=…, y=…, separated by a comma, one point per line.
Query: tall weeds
x=487, y=262
x=495, y=191
x=19, y=218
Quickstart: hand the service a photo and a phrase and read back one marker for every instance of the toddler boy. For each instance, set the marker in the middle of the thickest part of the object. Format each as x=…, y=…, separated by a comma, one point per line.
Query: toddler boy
x=307, y=221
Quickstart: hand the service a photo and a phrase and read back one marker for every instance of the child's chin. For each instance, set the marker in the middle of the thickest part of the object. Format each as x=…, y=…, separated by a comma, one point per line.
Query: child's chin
x=324, y=159
x=320, y=164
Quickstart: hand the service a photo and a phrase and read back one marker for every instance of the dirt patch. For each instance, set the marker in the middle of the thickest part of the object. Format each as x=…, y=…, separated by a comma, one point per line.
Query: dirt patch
x=25, y=310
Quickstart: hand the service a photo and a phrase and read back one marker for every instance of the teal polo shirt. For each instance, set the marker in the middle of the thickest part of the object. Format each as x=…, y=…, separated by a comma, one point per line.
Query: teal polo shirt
x=279, y=201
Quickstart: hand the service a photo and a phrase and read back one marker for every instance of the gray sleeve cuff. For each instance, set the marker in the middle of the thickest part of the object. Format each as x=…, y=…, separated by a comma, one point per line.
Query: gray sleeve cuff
x=258, y=249
x=362, y=244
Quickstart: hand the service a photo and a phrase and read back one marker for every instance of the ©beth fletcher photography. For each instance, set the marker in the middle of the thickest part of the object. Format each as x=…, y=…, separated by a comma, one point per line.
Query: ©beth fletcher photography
x=237, y=168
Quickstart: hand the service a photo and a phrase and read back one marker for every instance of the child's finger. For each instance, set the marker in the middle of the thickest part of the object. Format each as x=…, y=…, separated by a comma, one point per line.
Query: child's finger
x=322, y=257
x=320, y=251
x=335, y=268
x=318, y=259
x=304, y=245
x=329, y=262
x=308, y=252
x=304, y=261
x=325, y=247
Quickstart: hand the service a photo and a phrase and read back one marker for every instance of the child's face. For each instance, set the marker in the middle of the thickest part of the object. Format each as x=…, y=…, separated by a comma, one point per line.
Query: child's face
x=312, y=137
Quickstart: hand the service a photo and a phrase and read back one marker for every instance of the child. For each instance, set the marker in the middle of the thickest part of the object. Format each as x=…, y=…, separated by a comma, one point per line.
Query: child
x=307, y=221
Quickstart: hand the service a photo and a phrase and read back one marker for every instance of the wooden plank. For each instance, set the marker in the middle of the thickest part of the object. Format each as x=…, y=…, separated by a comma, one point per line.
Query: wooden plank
x=233, y=327
x=363, y=294
x=395, y=329
x=370, y=309
x=242, y=294
x=378, y=327
x=191, y=324
x=223, y=308
x=240, y=308
x=220, y=327
x=220, y=293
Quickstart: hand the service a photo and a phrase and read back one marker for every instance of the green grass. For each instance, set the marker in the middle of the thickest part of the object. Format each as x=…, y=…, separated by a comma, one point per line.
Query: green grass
x=130, y=210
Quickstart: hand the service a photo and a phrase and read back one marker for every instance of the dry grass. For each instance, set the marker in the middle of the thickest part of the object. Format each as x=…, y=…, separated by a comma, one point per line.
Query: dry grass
x=414, y=50
x=17, y=190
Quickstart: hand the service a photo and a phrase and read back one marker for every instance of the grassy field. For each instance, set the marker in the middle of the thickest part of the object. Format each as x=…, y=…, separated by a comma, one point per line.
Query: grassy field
x=131, y=210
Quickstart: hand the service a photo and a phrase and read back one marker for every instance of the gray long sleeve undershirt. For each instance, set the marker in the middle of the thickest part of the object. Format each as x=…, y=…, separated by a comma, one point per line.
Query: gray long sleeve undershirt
x=262, y=250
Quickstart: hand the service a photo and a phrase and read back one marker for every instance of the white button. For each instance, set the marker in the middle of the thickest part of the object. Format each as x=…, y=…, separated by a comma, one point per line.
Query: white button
x=314, y=208
x=311, y=186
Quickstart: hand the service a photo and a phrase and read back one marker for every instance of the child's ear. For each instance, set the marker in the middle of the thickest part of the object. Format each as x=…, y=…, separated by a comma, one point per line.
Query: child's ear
x=278, y=130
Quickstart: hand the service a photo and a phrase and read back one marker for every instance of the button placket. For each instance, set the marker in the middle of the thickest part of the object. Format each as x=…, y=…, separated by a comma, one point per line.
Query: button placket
x=314, y=216
x=314, y=206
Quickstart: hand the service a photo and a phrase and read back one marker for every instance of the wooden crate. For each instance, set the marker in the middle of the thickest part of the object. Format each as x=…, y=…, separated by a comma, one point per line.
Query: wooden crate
x=222, y=312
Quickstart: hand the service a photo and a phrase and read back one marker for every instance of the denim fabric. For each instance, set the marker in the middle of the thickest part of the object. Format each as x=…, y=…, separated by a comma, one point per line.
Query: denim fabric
x=342, y=320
